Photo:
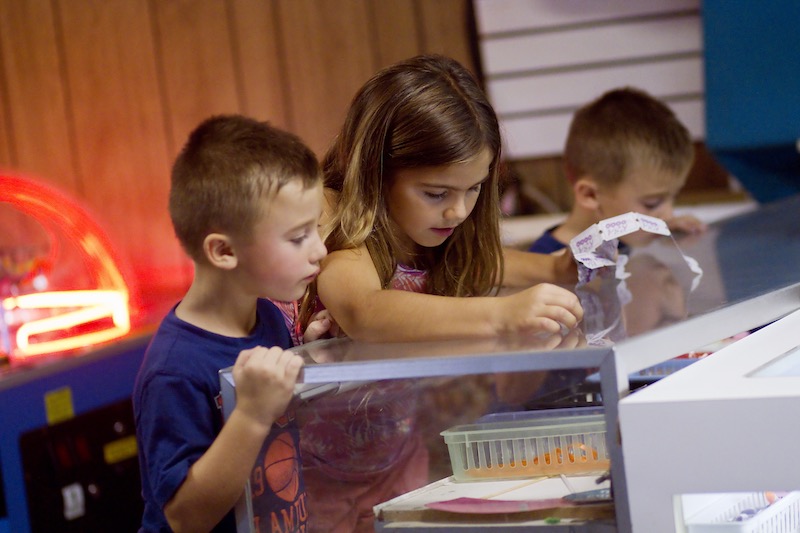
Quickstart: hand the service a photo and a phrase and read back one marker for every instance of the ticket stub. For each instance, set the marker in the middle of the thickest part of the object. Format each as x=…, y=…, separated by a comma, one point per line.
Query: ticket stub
x=587, y=247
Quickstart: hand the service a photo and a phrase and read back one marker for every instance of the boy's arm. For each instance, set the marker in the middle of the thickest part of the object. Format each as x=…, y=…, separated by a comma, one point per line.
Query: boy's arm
x=349, y=287
x=265, y=381
x=524, y=269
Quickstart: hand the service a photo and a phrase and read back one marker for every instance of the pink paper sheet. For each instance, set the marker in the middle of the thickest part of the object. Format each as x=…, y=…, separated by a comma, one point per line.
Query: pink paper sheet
x=483, y=506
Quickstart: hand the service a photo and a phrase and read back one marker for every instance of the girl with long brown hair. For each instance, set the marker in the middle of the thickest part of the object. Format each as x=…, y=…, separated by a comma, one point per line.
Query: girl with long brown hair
x=413, y=181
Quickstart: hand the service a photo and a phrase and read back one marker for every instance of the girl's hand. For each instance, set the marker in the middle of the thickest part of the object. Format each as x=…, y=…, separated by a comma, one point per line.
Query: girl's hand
x=542, y=308
x=321, y=326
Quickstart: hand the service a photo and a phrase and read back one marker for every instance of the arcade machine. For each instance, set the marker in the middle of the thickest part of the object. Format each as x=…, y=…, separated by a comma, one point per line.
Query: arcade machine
x=68, y=360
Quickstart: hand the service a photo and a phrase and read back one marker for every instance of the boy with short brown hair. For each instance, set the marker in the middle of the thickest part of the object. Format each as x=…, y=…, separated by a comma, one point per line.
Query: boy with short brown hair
x=245, y=203
x=625, y=151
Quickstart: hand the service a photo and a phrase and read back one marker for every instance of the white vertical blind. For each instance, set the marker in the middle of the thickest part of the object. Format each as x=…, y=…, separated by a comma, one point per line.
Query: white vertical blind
x=545, y=58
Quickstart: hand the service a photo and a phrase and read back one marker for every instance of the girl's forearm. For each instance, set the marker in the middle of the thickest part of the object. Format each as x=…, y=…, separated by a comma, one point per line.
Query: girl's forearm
x=399, y=316
x=523, y=269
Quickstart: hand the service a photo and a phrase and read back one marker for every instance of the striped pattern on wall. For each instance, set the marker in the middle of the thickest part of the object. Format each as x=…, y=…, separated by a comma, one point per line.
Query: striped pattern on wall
x=542, y=59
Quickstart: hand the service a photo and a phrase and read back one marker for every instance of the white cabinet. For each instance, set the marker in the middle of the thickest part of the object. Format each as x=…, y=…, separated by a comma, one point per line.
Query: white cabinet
x=728, y=423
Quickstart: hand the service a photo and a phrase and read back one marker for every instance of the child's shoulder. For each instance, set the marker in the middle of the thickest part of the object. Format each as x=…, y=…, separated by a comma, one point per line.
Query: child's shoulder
x=361, y=253
x=547, y=243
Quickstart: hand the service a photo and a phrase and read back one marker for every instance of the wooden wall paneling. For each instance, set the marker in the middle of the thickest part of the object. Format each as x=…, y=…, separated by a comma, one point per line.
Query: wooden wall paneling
x=38, y=141
x=263, y=86
x=446, y=27
x=120, y=131
x=328, y=50
x=197, y=63
x=396, y=34
x=6, y=130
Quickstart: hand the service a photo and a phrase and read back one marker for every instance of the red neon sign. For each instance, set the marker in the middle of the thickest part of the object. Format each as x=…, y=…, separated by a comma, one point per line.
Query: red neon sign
x=60, y=284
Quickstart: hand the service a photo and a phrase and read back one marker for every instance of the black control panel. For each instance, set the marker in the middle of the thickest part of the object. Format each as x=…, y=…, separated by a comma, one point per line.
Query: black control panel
x=83, y=474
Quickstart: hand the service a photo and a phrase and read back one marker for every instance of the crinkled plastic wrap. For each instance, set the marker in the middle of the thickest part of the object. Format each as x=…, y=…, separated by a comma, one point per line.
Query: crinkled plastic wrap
x=602, y=273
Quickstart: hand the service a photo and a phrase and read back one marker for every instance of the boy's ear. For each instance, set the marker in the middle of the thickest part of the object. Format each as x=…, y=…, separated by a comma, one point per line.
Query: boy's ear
x=219, y=251
x=585, y=190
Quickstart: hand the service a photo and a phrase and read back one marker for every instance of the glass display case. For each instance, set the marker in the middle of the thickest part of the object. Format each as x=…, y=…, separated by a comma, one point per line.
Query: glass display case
x=381, y=423
x=371, y=418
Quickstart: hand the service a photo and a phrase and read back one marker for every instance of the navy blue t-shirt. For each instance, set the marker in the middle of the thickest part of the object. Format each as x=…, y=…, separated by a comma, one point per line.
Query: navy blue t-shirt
x=547, y=244
x=178, y=412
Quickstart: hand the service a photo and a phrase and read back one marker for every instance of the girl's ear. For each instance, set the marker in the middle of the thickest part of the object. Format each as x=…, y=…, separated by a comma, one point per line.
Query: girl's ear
x=585, y=190
x=219, y=251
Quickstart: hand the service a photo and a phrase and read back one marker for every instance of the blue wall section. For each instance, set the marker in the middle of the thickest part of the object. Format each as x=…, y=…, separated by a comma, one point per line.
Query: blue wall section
x=96, y=380
x=752, y=79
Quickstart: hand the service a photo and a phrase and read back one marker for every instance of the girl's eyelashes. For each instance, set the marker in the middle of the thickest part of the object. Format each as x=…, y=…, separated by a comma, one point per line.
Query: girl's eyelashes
x=436, y=195
x=441, y=195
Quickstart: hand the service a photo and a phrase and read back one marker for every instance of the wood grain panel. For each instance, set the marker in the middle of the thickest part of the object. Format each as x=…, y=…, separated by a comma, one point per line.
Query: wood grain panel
x=6, y=159
x=396, y=35
x=328, y=57
x=445, y=27
x=104, y=92
x=36, y=94
x=197, y=63
x=262, y=83
x=120, y=131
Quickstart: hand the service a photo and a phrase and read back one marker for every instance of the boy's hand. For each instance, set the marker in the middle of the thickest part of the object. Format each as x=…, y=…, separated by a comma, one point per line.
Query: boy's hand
x=265, y=379
x=321, y=325
x=565, y=267
x=686, y=224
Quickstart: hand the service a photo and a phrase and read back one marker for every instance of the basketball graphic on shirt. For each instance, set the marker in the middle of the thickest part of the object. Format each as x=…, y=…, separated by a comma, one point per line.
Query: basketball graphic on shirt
x=281, y=467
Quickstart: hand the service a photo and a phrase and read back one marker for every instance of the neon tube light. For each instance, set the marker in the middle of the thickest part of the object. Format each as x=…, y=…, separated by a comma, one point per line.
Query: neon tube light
x=93, y=305
x=98, y=315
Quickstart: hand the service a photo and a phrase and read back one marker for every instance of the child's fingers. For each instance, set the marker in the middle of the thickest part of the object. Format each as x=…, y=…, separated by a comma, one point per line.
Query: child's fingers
x=243, y=360
x=321, y=315
x=317, y=329
x=561, y=305
x=276, y=361
x=285, y=362
x=293, y=366
x=687, y=224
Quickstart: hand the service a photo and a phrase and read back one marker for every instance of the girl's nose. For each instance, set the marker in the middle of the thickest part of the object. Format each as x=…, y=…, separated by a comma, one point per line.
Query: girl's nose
x=456, y=211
